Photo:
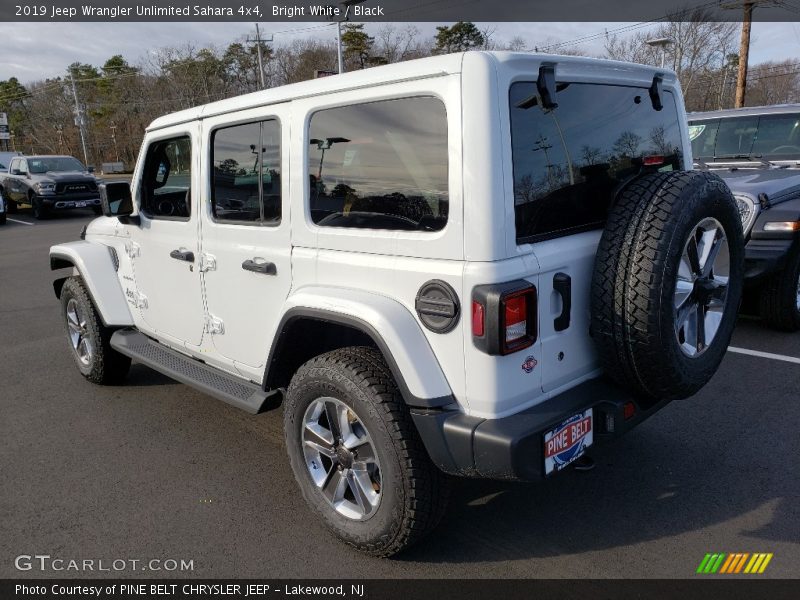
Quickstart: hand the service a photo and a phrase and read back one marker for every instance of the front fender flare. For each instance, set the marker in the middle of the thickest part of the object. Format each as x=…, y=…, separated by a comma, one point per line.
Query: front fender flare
x=388, y=323
x=96, y=267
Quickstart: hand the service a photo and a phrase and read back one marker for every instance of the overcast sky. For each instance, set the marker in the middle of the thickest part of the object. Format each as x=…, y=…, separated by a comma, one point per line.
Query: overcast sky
x=34, y=51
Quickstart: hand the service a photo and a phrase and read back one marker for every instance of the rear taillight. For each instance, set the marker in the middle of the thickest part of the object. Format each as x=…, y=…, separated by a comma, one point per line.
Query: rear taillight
x=504, y=317
x=515, y=315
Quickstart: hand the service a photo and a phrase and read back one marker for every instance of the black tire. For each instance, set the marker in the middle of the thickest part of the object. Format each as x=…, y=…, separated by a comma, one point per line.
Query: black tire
x=97, y=210
x=2, y=218
x=39, y=211
x=413, y=491
x=104, y=365
x=634, y=292
x=780, y=297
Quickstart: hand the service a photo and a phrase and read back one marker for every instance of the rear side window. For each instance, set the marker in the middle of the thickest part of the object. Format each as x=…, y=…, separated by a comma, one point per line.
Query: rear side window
x=570, y=161
x=381, y=165
x=246, y=184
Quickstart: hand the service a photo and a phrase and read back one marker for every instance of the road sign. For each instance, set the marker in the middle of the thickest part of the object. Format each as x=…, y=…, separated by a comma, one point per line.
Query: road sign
x=3, y=119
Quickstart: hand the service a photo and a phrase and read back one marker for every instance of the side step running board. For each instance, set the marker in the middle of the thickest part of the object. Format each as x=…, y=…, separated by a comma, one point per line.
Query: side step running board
x=223, y=386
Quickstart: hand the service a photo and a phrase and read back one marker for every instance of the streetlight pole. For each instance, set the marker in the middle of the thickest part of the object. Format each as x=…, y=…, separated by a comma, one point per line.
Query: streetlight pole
x=113, y=128
x=661, y=43
x=339, y=55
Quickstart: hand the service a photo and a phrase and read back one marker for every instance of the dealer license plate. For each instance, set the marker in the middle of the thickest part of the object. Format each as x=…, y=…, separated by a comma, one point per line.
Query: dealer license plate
x=567, y=442
x=80, y=204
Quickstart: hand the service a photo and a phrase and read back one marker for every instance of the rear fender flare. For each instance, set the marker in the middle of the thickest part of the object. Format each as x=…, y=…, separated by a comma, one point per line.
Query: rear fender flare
x=392, y=328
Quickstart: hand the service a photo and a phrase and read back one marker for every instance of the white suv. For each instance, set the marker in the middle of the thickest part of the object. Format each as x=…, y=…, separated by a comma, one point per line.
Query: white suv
x=477, y=264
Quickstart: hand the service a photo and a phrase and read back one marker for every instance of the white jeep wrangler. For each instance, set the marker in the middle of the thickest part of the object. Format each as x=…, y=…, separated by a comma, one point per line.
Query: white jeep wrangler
x=477, y=264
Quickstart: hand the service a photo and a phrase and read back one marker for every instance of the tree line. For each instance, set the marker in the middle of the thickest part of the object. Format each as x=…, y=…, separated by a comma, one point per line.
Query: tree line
x=117, y=100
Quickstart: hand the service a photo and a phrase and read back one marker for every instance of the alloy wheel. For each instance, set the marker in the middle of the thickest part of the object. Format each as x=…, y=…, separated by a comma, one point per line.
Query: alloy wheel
x=341, y=458
x=701, y=290
x=79, y=332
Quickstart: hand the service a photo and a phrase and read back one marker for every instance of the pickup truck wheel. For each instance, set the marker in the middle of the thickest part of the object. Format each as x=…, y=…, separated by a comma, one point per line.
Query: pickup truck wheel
x=39, y=211
x=89, y=338
x=356, y=454
x=668, y=283
x=2, y=218
x=780, y=297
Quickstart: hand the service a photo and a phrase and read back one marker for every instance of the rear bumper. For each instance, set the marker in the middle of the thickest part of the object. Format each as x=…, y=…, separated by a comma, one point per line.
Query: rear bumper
x=513, y=447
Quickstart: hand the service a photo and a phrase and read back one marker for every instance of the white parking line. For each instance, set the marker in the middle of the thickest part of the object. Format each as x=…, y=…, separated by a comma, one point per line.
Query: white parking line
x=18, y=221
x=783, y=357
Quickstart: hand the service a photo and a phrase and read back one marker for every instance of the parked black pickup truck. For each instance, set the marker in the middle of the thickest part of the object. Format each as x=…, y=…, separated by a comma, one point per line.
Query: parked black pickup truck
x=49, y=183
x=757, y=152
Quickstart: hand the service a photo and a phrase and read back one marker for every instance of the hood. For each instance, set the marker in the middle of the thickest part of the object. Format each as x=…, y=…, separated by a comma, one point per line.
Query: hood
x=775, y=183
x=61, y=176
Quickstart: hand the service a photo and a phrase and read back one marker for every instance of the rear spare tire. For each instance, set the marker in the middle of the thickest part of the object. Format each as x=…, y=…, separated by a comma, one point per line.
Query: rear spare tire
x=668, y=283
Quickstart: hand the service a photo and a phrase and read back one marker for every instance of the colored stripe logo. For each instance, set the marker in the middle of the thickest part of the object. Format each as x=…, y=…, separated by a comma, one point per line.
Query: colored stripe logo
x=734, y=563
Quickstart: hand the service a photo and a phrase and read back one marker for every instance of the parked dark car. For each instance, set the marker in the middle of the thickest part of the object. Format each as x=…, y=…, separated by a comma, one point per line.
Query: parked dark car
x=757, y=152
x=49, y=183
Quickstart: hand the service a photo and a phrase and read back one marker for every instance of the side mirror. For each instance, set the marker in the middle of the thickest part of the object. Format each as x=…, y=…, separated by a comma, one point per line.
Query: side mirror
x=116, y=199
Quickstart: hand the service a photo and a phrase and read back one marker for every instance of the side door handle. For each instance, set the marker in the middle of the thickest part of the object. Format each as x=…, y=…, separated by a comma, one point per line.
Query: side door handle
x=265, y=268
x=186, y=255
x=562, y=283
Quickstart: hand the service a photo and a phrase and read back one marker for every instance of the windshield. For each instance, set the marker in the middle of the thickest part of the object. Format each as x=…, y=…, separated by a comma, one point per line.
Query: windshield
x=54, y=163
x=772, y=136
x=569, y=162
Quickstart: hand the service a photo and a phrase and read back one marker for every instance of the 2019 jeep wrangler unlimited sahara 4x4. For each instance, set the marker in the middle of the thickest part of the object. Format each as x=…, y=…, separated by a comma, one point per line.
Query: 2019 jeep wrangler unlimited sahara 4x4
x=434, y=265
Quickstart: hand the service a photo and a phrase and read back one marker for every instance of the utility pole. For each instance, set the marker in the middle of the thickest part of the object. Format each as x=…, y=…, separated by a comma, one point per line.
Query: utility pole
x=79, y=117
x=60, y=131
x=259, y=41
x=744, y=54
x=543, y=145
x=744, y=48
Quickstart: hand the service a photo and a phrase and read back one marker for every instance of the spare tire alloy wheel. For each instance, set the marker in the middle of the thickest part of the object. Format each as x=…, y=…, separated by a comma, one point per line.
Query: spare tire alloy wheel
x=701, y=289
x=340, y=458
x=667, y=284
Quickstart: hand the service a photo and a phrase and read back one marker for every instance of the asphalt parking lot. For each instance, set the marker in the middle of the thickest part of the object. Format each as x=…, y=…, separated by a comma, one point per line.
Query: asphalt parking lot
x=154, y=470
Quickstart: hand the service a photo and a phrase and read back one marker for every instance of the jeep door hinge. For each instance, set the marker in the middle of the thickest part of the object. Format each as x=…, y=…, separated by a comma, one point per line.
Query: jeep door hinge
x=214, y=325
x=208, y=262
x=132, y=249
x=138, y=298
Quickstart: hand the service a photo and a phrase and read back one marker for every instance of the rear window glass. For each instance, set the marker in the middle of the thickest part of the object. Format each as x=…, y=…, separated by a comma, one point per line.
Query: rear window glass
x=381, y=165
x=748, y=136
x=569, y=162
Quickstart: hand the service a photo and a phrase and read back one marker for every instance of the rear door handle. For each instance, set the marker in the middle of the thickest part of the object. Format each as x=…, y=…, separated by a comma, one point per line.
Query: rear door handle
x=562, y=283
x=266, y=268
x=186, y=255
